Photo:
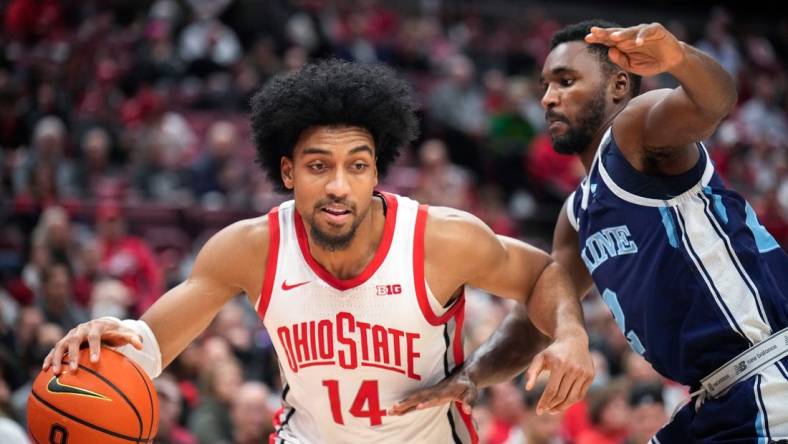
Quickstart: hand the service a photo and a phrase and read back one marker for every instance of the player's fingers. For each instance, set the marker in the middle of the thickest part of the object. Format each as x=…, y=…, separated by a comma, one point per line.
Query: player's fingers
x=430, y=403
x=618, y=57
x=571, y=396
x=411, y=401
x=136, y=341
x=600, y=35
x=533, y=371
x=653, y=31
x=47, y=360
x=94, y=343
x=584, y=388
x=550, y=391
x=564, y=387
x=469, y=397
x=57, y=356
x=73, y=354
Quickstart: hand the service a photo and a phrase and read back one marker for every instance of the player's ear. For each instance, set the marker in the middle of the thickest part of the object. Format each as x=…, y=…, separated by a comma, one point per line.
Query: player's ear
x=286, y=168
x=620, y=86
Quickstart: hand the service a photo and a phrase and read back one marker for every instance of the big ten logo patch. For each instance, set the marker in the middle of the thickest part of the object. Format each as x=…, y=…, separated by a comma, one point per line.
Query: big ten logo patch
x=385, y=290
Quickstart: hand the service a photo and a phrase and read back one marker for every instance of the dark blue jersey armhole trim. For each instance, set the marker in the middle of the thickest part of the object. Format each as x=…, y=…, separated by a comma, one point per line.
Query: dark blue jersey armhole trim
x=652, y=187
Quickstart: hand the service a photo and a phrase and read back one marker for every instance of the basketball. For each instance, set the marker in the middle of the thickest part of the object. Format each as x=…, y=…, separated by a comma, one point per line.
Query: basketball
x=111, y=401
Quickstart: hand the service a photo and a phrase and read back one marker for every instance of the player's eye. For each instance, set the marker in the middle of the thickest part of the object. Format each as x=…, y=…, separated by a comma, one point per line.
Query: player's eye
x=316, y=166
x=565, y=82
x=359, y=166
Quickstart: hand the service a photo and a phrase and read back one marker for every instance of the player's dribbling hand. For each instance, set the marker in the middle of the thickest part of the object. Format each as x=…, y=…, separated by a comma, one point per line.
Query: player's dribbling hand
x=571, y=373
x=456, y=387
x=646, y=50
x=103, y=330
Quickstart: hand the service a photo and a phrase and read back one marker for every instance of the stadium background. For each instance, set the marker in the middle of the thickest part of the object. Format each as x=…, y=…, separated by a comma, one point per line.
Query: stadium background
x=126, y=120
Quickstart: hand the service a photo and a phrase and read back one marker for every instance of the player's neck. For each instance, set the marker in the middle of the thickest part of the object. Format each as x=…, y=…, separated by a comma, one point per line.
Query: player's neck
x=587, y=155
x=350, y=262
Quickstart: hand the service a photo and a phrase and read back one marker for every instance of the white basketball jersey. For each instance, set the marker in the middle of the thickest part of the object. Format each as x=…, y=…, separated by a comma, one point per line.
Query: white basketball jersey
x=350, y=349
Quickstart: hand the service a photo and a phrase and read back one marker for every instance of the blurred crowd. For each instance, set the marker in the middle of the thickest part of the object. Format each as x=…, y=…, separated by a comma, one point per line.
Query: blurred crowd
x=124, y=144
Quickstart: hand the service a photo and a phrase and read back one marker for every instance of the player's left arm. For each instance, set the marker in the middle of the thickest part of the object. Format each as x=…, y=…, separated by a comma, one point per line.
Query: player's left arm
x=667, y=118
x=468, y=252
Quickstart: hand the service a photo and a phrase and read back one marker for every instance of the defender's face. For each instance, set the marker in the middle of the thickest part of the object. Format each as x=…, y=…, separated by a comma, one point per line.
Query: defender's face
x=332, y=174
x=574, y=95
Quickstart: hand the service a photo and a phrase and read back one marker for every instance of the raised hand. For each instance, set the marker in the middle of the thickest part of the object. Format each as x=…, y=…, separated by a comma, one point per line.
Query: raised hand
x=456, y=387
x=103, y=330
x=571, y=373
x=646, y=50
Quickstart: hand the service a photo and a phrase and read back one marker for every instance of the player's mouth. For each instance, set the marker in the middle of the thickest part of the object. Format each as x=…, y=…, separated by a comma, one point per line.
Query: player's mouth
x=555, y=121
x=336, y=214
x=555, y=126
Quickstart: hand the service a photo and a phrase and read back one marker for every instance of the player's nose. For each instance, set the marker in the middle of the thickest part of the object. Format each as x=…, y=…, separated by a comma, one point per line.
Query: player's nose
x=550, y=98
x=338, y=185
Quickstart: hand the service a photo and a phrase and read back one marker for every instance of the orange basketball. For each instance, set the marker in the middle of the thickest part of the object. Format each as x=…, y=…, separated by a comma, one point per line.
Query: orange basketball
x=111, y=401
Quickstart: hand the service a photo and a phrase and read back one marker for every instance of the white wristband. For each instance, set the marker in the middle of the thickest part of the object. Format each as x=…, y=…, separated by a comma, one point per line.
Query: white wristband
x=149, y=358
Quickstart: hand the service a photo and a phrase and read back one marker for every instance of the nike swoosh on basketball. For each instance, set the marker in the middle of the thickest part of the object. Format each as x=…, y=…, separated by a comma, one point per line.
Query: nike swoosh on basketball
x=55, y=386
x=286, y=287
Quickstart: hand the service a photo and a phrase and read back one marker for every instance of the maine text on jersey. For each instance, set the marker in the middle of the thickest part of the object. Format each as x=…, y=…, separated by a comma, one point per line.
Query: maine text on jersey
x=607, y=243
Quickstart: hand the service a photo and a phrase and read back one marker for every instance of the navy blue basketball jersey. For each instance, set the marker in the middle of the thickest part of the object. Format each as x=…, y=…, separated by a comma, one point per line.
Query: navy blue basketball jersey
x=690, y=275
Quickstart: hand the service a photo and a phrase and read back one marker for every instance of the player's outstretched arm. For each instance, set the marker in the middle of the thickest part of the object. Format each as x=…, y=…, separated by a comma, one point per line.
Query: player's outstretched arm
x=506, y=267
x=228, y=264
x=503, y=356
x=668, y=118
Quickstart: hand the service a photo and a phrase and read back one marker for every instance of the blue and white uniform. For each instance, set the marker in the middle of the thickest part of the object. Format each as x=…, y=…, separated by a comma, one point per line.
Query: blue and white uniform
x=693, y=280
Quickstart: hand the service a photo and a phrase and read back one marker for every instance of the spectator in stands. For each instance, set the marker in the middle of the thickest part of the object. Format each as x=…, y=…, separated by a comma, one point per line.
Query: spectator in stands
x=719, y=43
x=211, y=422
x=251, y=414
x=505, y=404
x=126, y=257
x=441, y=182
x=217, y=176
x=57, y=297
x=763, y=121
x=533, y=429
x=648, y=413
x=170, y=402
x=96, y=174
x=47, y=173
x=457, y=105
x=610, y=415
x=10, y=430
x=46, y=336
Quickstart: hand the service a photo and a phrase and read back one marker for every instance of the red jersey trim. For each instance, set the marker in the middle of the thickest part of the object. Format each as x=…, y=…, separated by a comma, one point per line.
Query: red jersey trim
x=370, y=269
x=459, y=358
x=418, y=274
x=270, y=264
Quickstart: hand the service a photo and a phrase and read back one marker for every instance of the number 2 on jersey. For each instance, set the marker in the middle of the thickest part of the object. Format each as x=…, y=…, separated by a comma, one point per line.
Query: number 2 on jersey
x=366, y=404
x=611, y=299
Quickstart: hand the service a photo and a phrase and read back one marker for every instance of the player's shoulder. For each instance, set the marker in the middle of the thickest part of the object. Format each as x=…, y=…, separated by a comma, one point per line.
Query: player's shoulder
x=456, y=233
x=638, y=107
x=453, y=225
x=251, y=232
x=244, y=241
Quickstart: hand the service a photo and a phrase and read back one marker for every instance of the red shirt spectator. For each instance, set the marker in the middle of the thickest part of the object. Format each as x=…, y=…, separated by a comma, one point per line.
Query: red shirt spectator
x=127, y=258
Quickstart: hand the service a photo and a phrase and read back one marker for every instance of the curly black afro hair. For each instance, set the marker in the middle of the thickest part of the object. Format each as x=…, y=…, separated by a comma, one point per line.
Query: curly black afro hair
x=578, y=31
x=332, y=92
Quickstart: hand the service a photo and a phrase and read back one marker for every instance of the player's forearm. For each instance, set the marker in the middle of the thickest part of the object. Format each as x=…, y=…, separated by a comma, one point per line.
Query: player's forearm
x=705, y=82
x=179, y=316
x=553, y=306
x=507, y=352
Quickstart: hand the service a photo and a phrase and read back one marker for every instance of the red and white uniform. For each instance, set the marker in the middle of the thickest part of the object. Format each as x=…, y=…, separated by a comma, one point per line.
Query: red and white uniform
x=350, y=349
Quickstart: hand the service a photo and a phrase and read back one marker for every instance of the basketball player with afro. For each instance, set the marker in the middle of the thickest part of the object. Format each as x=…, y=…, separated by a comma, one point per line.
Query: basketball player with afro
x=362, y=291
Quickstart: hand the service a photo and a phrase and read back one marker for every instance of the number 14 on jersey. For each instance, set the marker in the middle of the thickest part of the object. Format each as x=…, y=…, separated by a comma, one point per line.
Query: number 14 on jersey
x=365, y=405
